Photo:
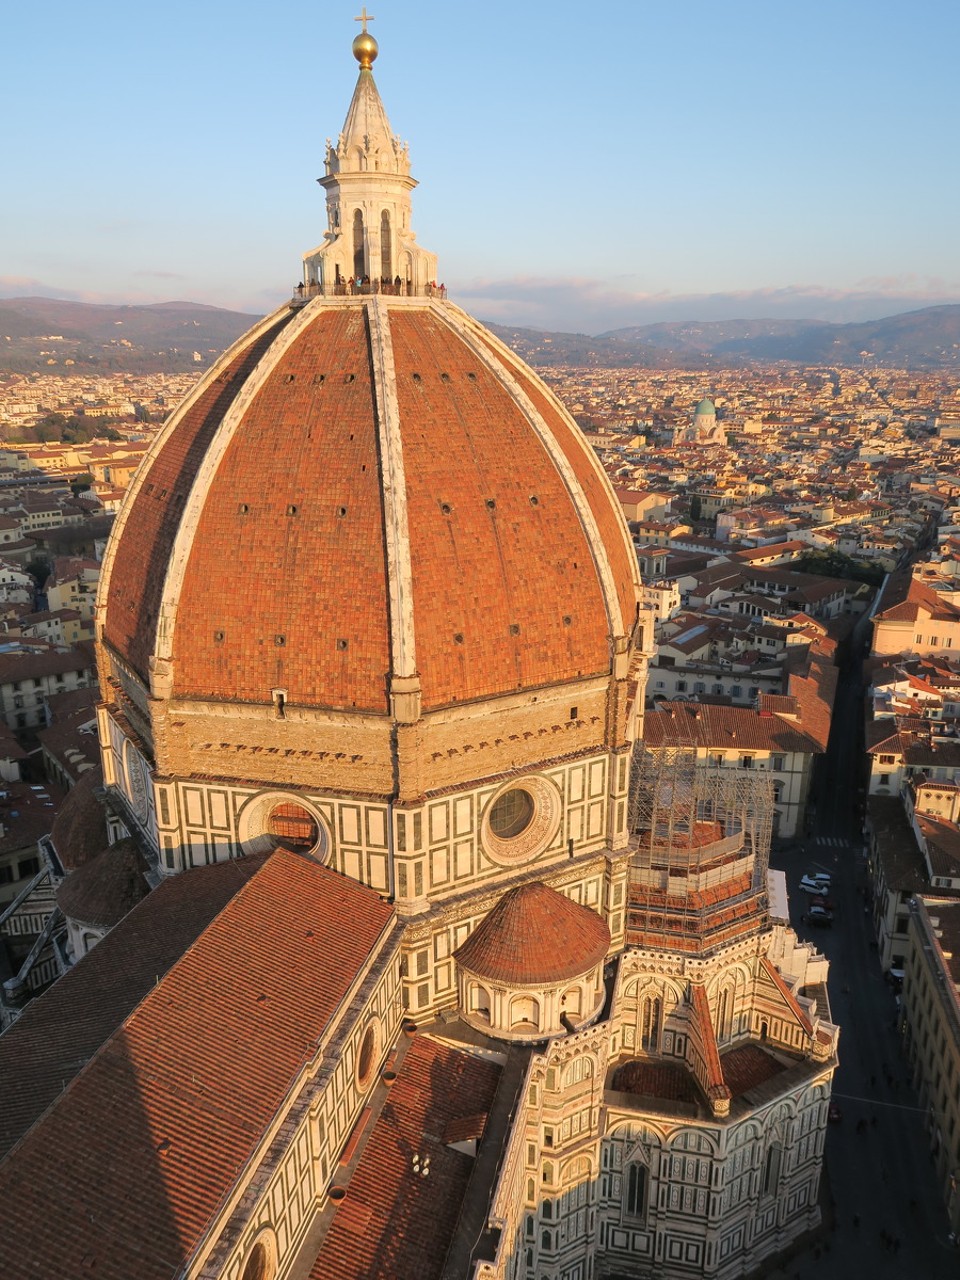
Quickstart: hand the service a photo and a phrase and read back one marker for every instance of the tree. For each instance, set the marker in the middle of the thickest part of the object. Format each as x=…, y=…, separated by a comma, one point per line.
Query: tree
x=39, y=568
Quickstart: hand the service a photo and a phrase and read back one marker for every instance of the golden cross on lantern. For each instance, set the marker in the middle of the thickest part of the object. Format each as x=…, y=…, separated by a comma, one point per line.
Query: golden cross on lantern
x=365, y=18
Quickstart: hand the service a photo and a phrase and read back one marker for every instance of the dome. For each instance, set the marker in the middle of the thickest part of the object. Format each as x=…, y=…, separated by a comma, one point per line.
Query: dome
x=365, y=488
x=79, y=831
x=367, y=492
x=535, y=936
x=706, y=408
x=102, y=891
x=370, y=560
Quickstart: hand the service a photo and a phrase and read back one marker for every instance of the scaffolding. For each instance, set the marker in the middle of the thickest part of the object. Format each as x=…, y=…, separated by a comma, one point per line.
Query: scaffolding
x=701, y=838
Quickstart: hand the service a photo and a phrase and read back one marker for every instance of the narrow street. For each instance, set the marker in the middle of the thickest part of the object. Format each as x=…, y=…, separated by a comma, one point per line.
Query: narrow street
x=879, y=1178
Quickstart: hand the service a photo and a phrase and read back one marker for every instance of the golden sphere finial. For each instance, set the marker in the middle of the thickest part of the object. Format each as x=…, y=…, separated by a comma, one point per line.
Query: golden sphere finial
x=365, y=48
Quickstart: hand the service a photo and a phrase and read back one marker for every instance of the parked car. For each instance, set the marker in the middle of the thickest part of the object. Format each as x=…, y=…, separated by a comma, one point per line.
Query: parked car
x=818, y=916
x=811, y=884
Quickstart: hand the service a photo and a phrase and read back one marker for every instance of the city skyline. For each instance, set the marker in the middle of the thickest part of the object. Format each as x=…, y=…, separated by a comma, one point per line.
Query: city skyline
x=703, y=165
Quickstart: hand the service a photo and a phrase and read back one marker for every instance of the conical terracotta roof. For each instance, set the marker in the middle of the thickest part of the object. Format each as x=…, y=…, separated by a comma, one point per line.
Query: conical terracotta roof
x=102, y=891
x=535, y=936
x=79, y=831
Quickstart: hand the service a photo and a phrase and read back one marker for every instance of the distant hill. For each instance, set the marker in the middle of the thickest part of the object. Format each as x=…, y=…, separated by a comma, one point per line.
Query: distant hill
x=927, y=339
x=42, y=334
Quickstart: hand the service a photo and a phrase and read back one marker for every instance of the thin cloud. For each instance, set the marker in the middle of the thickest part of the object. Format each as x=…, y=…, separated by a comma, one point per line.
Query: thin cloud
x=160, y=275
x=591, y=306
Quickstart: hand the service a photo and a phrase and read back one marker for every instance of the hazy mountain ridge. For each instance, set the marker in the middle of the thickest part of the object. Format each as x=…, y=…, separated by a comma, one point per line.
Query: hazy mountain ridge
x=98, y=338
x=41, y=334
x=925, y=339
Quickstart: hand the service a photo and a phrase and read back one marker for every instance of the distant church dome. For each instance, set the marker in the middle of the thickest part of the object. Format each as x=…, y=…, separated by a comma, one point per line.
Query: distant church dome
x=706, y=428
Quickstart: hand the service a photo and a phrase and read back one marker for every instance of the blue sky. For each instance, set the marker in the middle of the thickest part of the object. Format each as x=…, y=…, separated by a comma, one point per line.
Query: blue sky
x=580, y=167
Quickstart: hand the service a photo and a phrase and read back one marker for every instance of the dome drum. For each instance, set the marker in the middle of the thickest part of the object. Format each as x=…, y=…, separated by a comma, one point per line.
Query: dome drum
x=526, y=1015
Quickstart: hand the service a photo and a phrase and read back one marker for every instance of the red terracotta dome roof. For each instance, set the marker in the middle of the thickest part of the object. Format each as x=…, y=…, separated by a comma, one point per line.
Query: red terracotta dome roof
x=365, y=487
x=535, y=936
x=102, y=891
x=79, y=831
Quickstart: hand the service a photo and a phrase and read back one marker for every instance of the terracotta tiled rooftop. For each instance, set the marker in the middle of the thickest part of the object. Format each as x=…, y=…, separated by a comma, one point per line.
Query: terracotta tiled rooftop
x=140, y=564
x=535, y=935
x=497, y=479
x=60, y=1031
x=747, y=1066
x=191, y=1078
x=394, y=1222
x=654, y=1078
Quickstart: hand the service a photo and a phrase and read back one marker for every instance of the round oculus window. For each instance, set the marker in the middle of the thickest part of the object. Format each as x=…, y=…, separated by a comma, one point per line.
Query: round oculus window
x=511, y=813
x=293, y=827
x=258, y=1265
x=520, y=821
x=366, y=1058
x=275, y=820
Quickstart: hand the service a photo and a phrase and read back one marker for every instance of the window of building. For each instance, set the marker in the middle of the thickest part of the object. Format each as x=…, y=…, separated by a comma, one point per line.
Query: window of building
x=736, y=691
x=511, y=813
x=259, y=1265
x=293, y=827
x=771, y=1170
x=27, y=867
x=651, y=1016
x=778, y=763
x=367, y=1055
x=746, y=762
x=636, y=1190
x=884, y=779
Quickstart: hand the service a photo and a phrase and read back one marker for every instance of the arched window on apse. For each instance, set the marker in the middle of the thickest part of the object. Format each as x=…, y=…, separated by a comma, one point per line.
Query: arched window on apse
x=771, y=1169
x=651, y=1019
x=635, y=1190
x=524, y=1013
x=570, y=1002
